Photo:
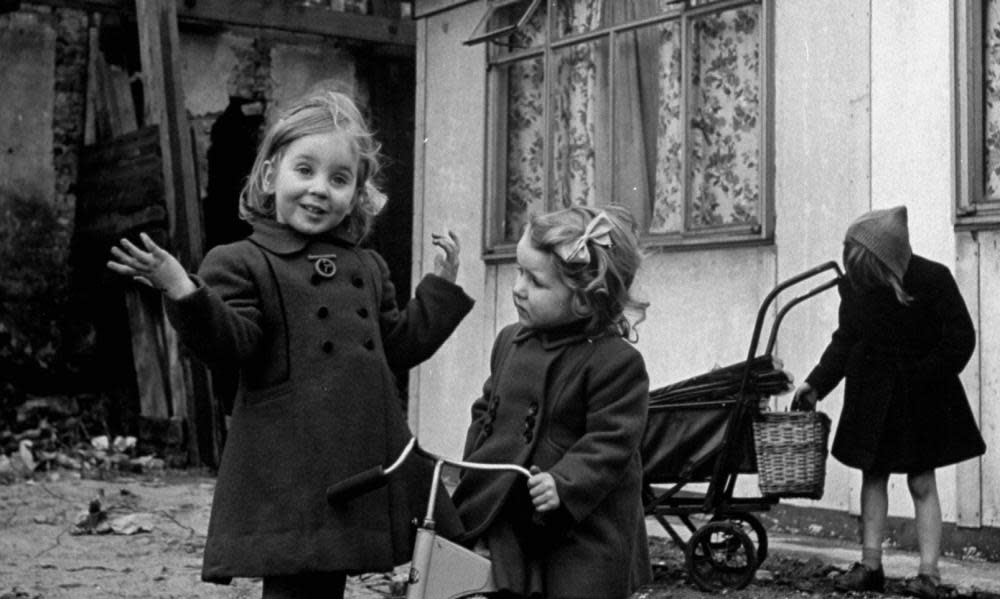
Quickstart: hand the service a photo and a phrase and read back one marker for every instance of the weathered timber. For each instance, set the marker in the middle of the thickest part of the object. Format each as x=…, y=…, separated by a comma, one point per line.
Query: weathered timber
x=393, y=33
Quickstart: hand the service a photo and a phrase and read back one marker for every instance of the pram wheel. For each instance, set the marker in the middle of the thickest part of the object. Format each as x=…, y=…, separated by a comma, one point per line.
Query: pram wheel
x=754, y=529
x=720, y=555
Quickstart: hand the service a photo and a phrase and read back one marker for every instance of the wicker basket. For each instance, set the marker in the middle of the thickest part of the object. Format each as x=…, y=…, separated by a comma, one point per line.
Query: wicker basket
x=791, y=453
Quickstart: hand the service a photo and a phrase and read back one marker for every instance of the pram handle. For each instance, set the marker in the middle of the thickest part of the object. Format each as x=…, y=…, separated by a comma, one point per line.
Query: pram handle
x=721, y=478
x=762, y=311
x=376, y=477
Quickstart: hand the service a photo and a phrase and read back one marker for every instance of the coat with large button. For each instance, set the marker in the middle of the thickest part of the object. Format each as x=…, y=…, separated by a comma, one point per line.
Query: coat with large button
x=905, y=409
x=574, y=407
x=313, y=326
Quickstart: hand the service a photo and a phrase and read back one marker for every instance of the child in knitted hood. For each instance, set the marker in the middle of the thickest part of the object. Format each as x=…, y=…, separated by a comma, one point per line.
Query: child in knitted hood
x=904, y=334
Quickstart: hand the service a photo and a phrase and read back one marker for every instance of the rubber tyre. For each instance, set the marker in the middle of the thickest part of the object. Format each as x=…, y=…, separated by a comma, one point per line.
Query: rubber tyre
x=720, y=555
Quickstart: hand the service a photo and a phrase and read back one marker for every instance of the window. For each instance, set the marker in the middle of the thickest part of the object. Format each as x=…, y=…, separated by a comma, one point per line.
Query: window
x=658, y=105
x=977, y=102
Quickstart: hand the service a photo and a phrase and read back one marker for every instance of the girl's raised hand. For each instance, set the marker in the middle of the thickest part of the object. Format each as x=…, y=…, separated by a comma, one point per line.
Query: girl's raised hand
x=542, y=487
x=152, y=266
x=446, y=266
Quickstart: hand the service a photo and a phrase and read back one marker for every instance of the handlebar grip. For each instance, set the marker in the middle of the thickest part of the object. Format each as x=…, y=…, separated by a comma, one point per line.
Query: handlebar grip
x=355, y=486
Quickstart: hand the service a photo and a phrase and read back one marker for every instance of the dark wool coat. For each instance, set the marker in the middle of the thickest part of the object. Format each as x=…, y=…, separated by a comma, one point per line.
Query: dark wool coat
x=317, y=401
x=576, y=408
x=904, y=407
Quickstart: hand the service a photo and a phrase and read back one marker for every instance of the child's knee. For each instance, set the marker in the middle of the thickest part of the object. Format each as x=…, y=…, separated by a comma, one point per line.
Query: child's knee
x=922, y=485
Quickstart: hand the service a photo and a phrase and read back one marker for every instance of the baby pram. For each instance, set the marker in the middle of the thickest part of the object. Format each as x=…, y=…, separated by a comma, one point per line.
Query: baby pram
x=700, y=431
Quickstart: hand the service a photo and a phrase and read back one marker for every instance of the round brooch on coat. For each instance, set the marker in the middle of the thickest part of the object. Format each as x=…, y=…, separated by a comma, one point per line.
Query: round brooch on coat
x=324, y=265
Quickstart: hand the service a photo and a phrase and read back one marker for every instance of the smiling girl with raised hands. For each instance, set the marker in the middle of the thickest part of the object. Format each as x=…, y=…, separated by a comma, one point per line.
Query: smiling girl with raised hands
x=566, y=396
x=310, y=319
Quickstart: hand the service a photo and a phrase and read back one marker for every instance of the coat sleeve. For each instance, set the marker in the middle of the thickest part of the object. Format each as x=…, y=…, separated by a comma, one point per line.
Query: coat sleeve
x=413, y=333
x=958, y=335
x=220, y=322
x=617, y=402
x=830, y=370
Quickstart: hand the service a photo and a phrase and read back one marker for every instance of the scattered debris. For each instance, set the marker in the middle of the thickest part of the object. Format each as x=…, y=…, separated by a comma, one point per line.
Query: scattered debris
x=97, y=520
x=19, y=594
x=37, y=451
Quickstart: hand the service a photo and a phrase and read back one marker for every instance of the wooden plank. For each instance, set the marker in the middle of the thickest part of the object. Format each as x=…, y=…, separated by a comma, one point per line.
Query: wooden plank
x=419, y=169
x=968, y=476
x=385, y=8
x=292, y=17
x=426, y=8
x=146, y=328
x=120, y=177
x=396, y=32
x=159, y=43
x=93, y=51
x=111, y=226
x=989, y=381
x=120, y=90
x=136, y=143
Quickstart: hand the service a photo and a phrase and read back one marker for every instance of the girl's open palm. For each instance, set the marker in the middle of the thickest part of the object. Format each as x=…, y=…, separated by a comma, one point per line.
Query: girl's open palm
x=152, y=266
x=446, y=265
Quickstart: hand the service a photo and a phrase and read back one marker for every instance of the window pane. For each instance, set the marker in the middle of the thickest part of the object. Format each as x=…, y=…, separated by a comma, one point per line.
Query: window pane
x=725, y=114
x=991, y=71
x=647, y=126
x=579, y=16
x=580, y=122
x=524, y=144
x=531, y=35
x=621, y=12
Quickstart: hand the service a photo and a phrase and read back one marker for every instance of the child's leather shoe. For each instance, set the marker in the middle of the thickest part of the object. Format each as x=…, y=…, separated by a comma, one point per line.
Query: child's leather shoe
x=923, y=586
x=861, y=578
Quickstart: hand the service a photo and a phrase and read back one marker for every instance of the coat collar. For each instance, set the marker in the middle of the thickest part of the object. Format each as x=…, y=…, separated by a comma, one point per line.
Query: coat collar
x=568, y=334
x=282, y=239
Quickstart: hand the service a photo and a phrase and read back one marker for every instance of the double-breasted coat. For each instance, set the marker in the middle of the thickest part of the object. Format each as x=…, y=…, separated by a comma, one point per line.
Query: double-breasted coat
x=313, y=326
x=905, y=409
x=575, y=407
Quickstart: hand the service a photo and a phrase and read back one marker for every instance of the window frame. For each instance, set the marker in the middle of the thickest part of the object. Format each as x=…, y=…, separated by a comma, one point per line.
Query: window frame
x=971, y=210
x=496, y=249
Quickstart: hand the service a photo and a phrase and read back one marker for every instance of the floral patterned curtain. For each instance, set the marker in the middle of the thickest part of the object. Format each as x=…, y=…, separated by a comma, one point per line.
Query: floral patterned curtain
x=579, y=108
x=525, y=133
x=991, y=91
x=724, y=143
x=629, y=147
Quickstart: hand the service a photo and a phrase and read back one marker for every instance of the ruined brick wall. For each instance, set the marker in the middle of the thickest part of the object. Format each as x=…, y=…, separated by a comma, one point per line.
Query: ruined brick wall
x=42, y=130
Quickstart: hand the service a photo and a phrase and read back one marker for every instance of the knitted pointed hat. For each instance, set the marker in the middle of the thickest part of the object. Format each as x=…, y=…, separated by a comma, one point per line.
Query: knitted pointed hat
x=885, y=234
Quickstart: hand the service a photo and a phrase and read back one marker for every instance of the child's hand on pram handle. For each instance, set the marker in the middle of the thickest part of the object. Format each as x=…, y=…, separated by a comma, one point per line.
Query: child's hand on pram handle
x=543, y=490
x=804, y=399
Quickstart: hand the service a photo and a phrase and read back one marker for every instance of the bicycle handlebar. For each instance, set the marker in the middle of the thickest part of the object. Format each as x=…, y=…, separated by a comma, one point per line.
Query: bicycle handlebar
x=357, y=485
x=376, y=477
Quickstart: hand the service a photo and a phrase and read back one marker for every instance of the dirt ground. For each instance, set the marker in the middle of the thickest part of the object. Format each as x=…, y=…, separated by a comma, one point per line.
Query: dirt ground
x=150, y=541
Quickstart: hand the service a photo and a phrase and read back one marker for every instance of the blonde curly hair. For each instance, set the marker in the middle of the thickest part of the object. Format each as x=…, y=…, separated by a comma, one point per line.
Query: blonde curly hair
x=318, y=112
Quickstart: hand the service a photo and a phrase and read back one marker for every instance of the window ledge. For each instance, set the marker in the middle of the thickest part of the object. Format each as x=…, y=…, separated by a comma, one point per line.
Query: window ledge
x=659, y=244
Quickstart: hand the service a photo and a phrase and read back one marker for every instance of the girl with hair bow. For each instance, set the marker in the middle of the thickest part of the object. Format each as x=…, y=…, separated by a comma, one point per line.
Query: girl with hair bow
x=566, y=397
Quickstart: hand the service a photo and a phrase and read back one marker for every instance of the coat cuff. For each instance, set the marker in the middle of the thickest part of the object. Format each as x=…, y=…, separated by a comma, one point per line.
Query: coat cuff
x=451, y=292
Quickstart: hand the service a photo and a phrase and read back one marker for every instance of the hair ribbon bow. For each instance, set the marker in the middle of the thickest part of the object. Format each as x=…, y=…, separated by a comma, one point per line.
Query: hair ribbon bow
x=598, y=231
